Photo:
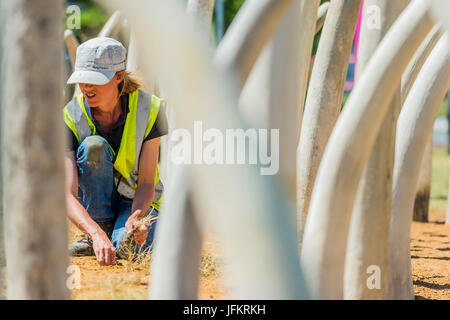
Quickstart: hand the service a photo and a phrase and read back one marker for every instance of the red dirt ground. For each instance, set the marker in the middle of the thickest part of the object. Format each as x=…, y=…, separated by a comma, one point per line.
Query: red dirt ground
x=430, y=251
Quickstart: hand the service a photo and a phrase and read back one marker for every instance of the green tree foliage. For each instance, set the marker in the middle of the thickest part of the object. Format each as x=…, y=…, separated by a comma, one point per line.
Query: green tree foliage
x=92, y=19
x=317, y=37
x=233, y=6
x=231, y=9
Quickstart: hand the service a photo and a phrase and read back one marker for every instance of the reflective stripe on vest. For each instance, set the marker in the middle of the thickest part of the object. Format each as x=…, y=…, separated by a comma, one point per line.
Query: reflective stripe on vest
x=143, y=110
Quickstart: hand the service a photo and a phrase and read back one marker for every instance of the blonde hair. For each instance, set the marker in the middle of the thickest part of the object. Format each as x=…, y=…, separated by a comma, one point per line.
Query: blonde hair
x=131, y=82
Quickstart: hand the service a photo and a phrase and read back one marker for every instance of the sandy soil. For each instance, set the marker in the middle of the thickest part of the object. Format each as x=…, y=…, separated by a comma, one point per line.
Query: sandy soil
x=430, y=251
x=127, y=280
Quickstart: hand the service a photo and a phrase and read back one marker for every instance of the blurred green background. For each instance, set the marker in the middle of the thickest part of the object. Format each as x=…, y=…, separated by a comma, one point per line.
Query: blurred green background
x=93, y=17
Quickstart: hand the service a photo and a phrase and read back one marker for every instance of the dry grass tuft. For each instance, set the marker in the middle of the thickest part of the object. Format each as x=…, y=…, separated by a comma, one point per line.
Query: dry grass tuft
x=136, y=256
x=208, y=266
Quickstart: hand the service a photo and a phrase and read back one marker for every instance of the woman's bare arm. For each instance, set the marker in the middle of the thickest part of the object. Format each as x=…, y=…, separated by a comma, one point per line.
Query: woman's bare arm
x=76, y=212
x=104, y=250
x=145, y=191
x=148, y=161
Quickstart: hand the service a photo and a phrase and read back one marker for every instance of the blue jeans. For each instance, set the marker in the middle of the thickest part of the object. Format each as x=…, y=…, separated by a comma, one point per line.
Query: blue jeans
x=97, y=192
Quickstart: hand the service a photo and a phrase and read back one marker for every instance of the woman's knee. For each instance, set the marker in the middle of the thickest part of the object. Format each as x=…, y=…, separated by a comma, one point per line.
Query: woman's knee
x=94, y=149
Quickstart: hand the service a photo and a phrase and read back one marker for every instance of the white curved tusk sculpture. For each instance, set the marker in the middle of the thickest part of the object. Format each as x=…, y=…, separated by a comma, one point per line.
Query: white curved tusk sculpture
x=178, y=241
x=34, y=202
x=368, y=239
x=348, y=150
x=422, y=200
x=253, y=26
x=447, y=216
x=423, y=188
x=324, y=99
x=274, y=94
x=414, y=128
x=202, y=11
x=416, y=64
x=230, y=198
x=321, y=15
x=132, y=55
x=71, y=45
x=112, y=26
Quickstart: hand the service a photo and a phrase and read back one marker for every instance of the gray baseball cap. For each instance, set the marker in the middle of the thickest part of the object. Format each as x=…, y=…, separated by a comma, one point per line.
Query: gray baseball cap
x=98, y=60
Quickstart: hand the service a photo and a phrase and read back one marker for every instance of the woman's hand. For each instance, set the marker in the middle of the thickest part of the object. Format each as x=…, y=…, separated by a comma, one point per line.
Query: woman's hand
x=140, y=231
x=103, y=248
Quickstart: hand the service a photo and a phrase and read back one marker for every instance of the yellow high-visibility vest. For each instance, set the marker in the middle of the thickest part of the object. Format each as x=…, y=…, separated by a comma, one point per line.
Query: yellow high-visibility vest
x=143, y=110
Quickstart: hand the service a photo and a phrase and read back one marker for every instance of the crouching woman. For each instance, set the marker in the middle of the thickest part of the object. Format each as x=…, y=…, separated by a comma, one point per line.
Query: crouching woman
x=112, y=165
